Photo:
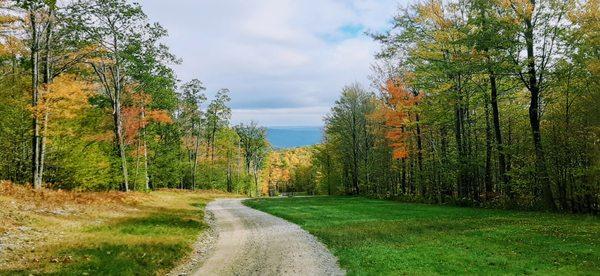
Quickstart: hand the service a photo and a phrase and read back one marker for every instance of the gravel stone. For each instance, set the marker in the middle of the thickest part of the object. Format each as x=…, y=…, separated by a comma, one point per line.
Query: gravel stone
x=251, y=242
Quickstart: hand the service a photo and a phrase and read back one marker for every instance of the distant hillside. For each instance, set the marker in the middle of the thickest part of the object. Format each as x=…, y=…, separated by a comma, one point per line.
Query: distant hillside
x=292, y=137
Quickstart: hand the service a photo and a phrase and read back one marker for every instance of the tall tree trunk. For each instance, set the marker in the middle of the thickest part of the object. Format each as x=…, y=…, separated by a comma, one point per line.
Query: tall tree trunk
x=534, y=116
x=137, y=162
x=488, y=154
x=502, y=165
x=212, y=146
x=117, y=116
x=447, y=186
x=509, y=140
x=120, y=143
x=366, y=157
x=195, y=164
x=459, y=129
x=459, y=150
x=422, y=186
x=145, y=150
x=470, y=170
x=255, y=169
x=35, y=98
x=43, y=149
x=355, y=146
x=229, y=173
x=411, y=176
x=403, y=176
x=47, y=79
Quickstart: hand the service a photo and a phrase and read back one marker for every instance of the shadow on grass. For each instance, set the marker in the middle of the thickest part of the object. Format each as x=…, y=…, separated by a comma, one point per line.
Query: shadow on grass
x=156, y=224
x=199, y=204
x=149, y=243
x=161, y=239
x=113, y=259
x=121, y=259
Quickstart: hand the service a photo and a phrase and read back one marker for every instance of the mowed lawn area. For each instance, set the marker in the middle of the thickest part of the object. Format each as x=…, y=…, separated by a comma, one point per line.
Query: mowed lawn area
x=384, y=237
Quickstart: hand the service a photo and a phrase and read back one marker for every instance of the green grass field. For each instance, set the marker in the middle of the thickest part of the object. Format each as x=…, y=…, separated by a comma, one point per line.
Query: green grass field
x=382, y=237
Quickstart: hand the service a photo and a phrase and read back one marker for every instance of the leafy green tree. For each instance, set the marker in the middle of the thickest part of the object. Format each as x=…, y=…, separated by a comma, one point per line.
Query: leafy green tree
x=39, y=16
x=254, y=145
x=217, y=116
x=191, y=120
x=540, y=24
x=117, y=30
x=492, y=75
x=348, y=124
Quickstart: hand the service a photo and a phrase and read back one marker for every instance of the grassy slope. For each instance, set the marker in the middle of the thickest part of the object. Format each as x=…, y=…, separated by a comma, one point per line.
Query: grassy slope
x=383, y=237
x=140, y=234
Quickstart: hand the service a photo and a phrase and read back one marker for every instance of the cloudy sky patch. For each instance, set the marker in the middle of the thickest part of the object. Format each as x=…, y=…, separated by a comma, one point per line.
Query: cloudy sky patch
x=284, y=61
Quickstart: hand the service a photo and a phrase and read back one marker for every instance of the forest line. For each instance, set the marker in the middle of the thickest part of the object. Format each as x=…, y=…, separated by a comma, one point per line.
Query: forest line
x=478, y=103
x=90, y=101
x=483, y=103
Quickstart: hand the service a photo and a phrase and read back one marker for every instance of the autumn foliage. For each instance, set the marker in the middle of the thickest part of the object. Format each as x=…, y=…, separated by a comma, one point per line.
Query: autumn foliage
x=137, y=116
x=288, y=171
x=48, y=198
x=399, y=116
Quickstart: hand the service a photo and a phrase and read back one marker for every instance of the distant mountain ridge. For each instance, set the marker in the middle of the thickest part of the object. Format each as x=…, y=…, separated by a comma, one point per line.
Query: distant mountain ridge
x=294, y=136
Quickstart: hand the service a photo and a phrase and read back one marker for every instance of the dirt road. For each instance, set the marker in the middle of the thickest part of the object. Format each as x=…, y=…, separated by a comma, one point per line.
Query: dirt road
x=252, y=242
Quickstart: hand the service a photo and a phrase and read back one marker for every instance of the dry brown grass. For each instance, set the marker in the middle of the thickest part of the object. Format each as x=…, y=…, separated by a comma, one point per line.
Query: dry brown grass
x=37, y=225
x=57, y=198
x=22, y=204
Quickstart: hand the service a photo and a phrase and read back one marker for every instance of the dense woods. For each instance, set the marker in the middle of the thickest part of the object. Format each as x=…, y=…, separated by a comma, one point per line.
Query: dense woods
x=290, y=171
x=484, y=103
x=89, y=101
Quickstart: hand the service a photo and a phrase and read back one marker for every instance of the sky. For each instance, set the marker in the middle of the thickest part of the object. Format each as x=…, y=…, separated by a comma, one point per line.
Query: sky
x=285, y=61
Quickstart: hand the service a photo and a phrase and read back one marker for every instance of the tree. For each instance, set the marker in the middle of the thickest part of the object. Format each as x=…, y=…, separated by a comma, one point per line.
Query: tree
x=15, y=103
x=227, y=148
x=254, y=146
x=487, y=20
x=327, y=173
x=217, y=116
x=347, y=123
x=191, y=117
x=289, y=170
x=39, y=14
x=136, y=118
x=400, y=118
x=476, y=74
x=116, y=29
x=52, y=54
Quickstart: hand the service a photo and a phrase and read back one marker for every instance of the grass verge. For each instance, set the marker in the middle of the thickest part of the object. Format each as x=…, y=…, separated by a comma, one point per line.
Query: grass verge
x=99, y=233
x=375, y=237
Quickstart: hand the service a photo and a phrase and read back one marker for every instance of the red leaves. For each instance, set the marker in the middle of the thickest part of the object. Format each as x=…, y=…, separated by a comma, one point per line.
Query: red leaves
x=398, y=116
x=137, y=116
x=159, y=116
x=133, y=123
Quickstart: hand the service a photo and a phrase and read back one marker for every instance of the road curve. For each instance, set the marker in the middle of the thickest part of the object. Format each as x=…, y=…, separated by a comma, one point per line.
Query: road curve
x=252, y=242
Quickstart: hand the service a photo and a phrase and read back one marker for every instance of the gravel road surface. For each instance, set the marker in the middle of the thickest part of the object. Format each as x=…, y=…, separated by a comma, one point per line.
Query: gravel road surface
x=252, y=242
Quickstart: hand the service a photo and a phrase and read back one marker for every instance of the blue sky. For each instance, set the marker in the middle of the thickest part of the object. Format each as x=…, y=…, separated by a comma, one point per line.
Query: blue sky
x=284, y=61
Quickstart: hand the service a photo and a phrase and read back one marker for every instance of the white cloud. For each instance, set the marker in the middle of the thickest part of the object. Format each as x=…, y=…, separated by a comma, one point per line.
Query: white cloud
x=285, y=61
x=303, y=116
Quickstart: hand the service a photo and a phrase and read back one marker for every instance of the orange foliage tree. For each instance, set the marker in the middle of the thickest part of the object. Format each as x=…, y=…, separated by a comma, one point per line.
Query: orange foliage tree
x=401, y=101
x=136, y=118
